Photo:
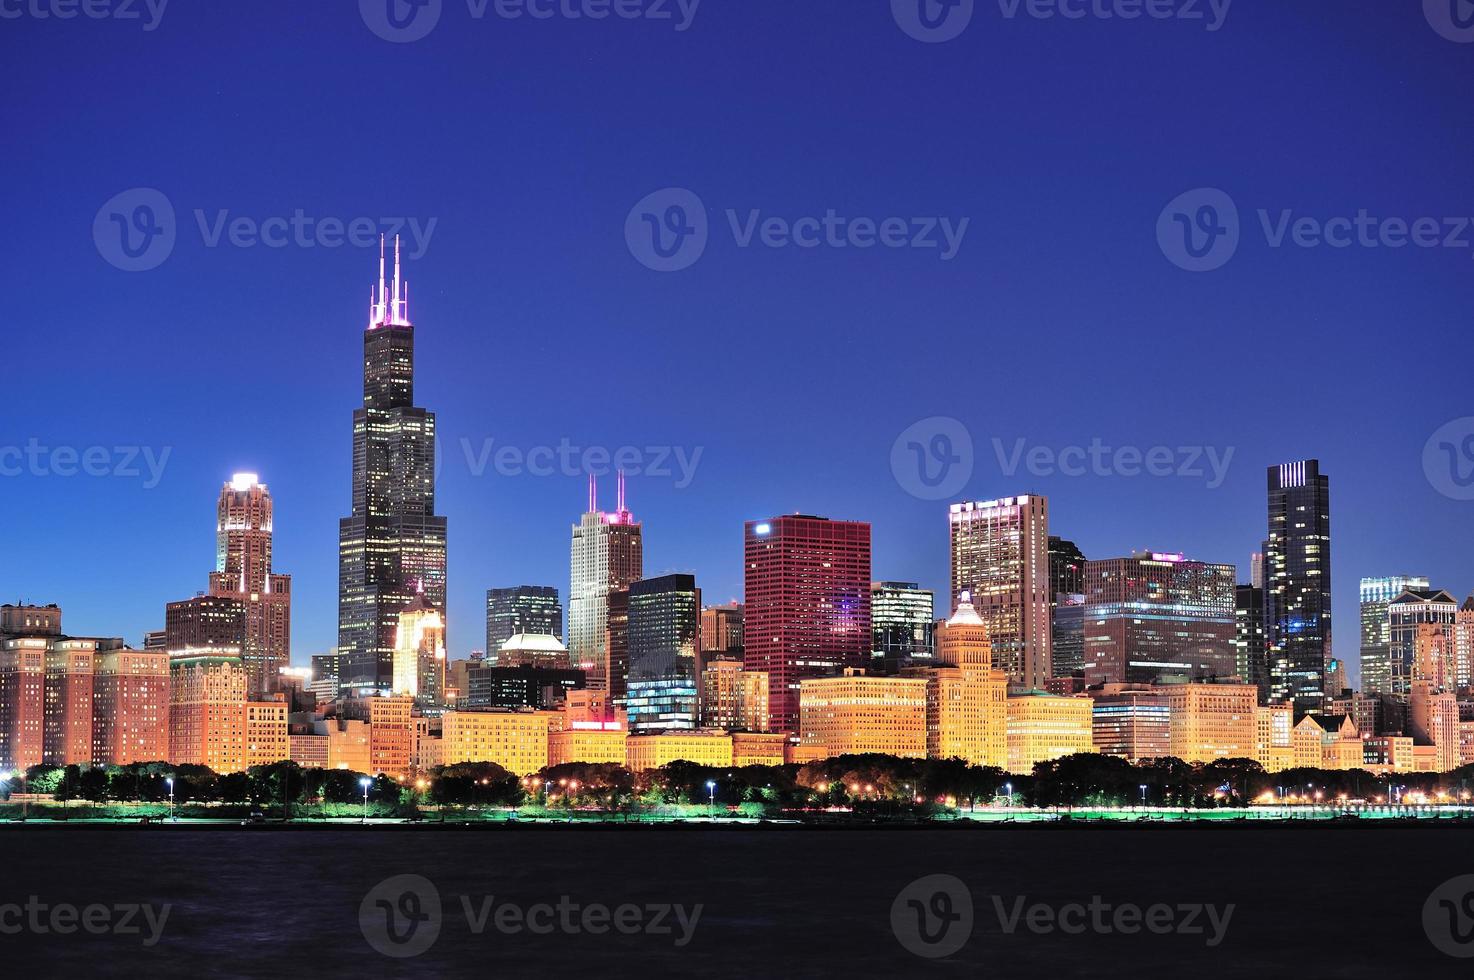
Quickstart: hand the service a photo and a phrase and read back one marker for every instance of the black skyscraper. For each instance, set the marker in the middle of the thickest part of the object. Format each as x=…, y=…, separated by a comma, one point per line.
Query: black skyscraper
x=1297, y=585
x=393, y=546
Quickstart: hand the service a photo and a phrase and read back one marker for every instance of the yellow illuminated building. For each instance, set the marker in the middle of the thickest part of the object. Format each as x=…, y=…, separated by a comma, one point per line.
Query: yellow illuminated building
x=1044, y=726
x=966, y=699
x=855, y=713
x=266, y=733
x=1212, y=721
x=515, y=740
x=703, y=747
x=758, y=748
x=587, y=742
x=1273, y=737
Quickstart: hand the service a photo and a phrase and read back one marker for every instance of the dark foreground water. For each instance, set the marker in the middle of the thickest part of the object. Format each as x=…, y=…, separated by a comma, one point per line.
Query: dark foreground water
x=1316, y=901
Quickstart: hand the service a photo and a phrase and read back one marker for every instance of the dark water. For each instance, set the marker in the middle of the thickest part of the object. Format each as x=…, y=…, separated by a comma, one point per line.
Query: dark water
x=1308, y=901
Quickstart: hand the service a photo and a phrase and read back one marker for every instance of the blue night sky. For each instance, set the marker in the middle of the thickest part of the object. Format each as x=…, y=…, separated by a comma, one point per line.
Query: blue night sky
x=793, y=370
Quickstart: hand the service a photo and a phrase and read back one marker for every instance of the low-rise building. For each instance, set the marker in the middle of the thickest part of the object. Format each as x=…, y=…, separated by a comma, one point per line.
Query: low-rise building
x=515, y=740
x=706, y=747
x=856, y=713
x=1044, y=726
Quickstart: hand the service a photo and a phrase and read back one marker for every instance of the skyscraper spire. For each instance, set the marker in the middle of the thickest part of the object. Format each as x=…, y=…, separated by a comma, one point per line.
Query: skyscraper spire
x=396, y=311
x=380, y=314
x=620, y=506
x=593, y=495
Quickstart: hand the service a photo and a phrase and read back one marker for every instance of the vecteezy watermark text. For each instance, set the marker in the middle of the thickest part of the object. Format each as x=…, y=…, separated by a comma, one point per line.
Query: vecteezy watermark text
x=38, y=460
x=136, y=230
x=402, y=21
x=403, y=916
x=933, y=917
x=935, y=21
x=149, y=12
x=567, y=459
x=667, y=230
x=1099, y=459
x=64, y=919
x=1199, y=230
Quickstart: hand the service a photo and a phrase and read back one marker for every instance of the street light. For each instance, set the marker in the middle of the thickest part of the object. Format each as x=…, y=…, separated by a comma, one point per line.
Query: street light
x=711, y=790
x=1142, y=787
x=1008, y=793
x=365, y=782
x=170, y=781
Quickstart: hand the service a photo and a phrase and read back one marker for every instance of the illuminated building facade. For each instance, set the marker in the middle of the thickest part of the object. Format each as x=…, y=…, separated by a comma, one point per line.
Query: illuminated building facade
x=130, y=707
x=67, y=727
x=902, y=622
x=22, y=701
x=1042, y=727
x=664, y=649
x=607, y=555
x=966, y=699
x=266, y=732
x=393, y=546
x=243, y=571
x=1000, y=556
x=721, y=629
x=530, y=609
x=734, y=698
x=1297, y=585
x=518, y=687
x=759, y=748
x=855, y=713
x=589, y=742
x=652, y=751
x=419, y=654
x=206, y=625
x=1407, y=615
x=1131, y=721
x=1158, y=617
x=207, y=712
x=1250, y=651
x=1212, y=721
x=1376, y=594
x=515, y=740
x=541, y=650
x=807, y=604
x=1066, y=608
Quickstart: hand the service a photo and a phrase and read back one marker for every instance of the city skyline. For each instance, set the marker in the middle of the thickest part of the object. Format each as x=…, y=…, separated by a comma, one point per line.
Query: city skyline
x=528, y=265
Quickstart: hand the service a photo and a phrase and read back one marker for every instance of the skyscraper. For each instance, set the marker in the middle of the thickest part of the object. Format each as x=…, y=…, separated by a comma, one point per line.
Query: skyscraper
x=807, y=597
x=393, y=546
x=1297, y=585
x=664, y=649
x=419, y=654
x=607, y=554
x=1376, y=637
x=1408, y=614
x=521, y=609
x=243, y=571
x=1158, y=617
x=1248, y=638
x=1000, y=556
x=1066, y=608
x=902, y=622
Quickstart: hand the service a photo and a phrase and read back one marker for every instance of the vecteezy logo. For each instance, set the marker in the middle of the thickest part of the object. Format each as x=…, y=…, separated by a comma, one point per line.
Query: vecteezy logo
x=932, y=21
x=932, y=916
x=933, y=458
x=1199, y=230
x=1448, y=917
x=667, y=230
x=1448, y=459
x=1453, y=19
x=400, y=21
x=134, y=230
x=400, y=916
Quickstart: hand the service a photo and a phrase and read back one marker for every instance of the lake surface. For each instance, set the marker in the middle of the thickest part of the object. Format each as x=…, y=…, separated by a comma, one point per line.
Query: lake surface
x=1046, y=901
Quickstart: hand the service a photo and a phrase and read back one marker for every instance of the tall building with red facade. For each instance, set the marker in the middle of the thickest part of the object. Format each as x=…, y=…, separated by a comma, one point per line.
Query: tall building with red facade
x=130, y=707
x=243, y=571
x=67, y=729
x=22, y=701
x=807, y=604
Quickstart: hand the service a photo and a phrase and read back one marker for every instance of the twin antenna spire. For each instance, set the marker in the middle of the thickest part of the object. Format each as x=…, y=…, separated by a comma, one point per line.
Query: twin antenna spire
x=594, y=495
x=389, y=310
